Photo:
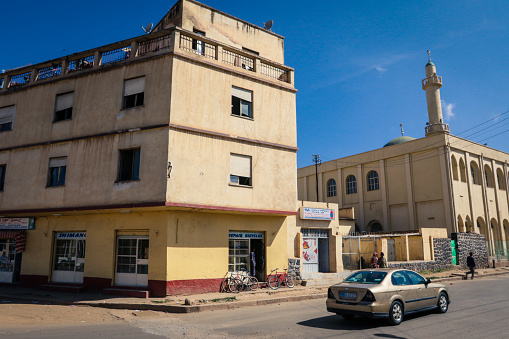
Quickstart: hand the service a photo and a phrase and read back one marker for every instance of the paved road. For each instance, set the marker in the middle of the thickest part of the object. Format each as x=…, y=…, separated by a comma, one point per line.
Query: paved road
x=479, y=309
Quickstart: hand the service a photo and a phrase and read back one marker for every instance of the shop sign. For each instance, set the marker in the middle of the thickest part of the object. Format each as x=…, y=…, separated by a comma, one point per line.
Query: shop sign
x=246, y=235
x=317, y=213
x=71, y=235
x=17, y=223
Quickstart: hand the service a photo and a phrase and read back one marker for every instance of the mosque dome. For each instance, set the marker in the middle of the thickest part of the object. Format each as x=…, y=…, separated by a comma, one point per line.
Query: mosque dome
x=399, y=140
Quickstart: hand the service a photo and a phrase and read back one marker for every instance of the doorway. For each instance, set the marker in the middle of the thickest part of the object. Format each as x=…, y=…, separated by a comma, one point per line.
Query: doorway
x=315, y=250
x=69, y=257
x=132, y=261
x=247, y=252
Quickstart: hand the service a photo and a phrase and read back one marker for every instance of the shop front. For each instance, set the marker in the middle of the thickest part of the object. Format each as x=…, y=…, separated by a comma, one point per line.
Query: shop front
x=69, y=257
x=12, y=245
x=247, y=252
x=132, y=260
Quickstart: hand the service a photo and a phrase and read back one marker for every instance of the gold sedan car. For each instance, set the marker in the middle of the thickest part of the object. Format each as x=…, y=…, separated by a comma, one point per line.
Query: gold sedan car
x=386, y=293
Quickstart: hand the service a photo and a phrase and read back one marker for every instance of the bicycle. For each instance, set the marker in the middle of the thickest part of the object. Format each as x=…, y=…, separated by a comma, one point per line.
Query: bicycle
x=249, y=283
x=238, y=281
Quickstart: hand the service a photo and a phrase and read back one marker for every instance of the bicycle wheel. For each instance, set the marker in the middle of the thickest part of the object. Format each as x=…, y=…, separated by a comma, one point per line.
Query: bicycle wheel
x=224, y=286
x=290, y=281
x=252, y=284
x=233, y=284
x=274, y=282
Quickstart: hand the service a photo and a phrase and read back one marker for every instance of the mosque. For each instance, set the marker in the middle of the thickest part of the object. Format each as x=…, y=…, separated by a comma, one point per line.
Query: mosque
x=438, y=181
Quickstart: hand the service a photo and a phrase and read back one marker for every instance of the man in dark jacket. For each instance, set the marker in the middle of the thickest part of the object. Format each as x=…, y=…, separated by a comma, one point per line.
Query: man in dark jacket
x=470, y=265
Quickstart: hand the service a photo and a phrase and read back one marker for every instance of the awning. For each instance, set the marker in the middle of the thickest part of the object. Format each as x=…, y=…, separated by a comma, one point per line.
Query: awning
x=19, y=238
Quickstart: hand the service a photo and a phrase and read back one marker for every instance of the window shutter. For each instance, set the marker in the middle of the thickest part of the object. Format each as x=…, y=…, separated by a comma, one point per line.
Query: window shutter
x=7, y=114
x=240, y=165
x=243, y=94
x=134, y=86
x=64, y=101
x=58, y=162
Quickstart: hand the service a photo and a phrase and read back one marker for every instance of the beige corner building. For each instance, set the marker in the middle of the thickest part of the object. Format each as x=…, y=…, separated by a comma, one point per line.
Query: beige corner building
x=438, y=181
x=159, y=162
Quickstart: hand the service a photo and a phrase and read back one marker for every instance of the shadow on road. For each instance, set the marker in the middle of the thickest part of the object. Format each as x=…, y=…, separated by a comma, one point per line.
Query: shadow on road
x=335, y=322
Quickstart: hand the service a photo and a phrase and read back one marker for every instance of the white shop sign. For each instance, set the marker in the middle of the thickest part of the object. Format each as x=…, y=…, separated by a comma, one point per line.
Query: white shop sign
x=317, y=213
x=17, y=223
x=245, y=235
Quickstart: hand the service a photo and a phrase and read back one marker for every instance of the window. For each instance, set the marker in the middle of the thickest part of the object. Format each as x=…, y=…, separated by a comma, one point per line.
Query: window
x=415, y=278
x=240, y=170
x=373, y=181
x=488, y=176
x=375, y=226
x=454, y=168
x=57, y=170
x=241, y=102
x=129, y=165
x=6, y=118
x=63, y=107
x=198, y=46
x=463, y=171
x=474, y=171
x=500, y=180
x=351, y=184
x=2, y=177
x=399, y=278
x=134, y=92
x=331, y=188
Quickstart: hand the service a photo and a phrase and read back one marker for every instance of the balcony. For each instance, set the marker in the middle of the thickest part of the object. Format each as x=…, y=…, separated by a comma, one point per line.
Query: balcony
x=174, y=40
x=432, y=80
x=439, y=127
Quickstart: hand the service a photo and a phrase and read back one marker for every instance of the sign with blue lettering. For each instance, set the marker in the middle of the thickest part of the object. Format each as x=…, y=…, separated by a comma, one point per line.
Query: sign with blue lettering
x=71, y=235
x=317, y=213
x=245, y=235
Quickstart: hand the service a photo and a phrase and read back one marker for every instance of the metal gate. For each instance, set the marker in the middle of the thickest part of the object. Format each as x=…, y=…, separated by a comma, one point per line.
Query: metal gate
x=357, y=251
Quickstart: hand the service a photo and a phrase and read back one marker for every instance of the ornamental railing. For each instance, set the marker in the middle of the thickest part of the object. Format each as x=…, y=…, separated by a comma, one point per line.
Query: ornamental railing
x=166, y=41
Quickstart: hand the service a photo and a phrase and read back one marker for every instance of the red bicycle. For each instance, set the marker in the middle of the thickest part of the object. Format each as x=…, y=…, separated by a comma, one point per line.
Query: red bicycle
x=275, y=280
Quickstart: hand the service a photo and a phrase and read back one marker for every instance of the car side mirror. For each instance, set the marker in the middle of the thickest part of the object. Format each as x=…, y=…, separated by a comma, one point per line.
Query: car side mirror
x=428, y=281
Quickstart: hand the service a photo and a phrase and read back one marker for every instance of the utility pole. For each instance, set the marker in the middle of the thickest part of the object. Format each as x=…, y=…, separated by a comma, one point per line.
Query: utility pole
x=318, y=162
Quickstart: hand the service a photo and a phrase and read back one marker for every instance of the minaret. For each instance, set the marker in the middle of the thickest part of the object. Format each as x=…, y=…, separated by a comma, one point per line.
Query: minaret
x=432, y=85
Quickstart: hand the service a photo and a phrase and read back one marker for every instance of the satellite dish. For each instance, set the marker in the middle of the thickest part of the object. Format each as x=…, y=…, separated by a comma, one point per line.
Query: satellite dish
x=267, y=25
x=148, y=28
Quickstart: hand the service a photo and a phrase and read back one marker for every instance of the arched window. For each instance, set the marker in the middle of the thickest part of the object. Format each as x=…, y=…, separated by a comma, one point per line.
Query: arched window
x=488, y=175
x=468, y=224
x=351, y=184
x=331, y=188
x=481, y=226
x=454, y=168
x=373, y=181
x=501, y=181
x=461, y=226
x=474, y=171
x=463, y=171
x=375, y=226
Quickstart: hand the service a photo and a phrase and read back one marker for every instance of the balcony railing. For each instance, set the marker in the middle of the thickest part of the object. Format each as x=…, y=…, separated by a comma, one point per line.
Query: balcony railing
x=432, y=80
x=171, y=40
x=436, y=128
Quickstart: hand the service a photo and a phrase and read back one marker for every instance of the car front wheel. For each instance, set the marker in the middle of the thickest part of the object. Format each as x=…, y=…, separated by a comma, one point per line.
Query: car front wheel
x=396, y=313
x=443, y=303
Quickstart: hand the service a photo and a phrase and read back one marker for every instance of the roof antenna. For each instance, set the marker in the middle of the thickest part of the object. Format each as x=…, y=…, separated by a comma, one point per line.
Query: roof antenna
x=402, y=132
x=429, y=55
x=148, y=29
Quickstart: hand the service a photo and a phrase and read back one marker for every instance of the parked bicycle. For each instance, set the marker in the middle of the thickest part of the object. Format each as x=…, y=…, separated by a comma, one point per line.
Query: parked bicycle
x=238, y=281
x=275, y=278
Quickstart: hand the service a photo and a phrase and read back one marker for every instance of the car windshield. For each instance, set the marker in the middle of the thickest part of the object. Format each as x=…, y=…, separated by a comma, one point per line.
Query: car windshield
x=366, y=277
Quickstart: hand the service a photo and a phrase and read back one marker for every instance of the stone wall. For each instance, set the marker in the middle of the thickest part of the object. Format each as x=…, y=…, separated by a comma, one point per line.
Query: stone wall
x=471, y=242
x=294, y=264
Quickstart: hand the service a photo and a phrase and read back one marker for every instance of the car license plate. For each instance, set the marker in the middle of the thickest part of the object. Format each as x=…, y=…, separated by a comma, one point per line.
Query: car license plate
x=348, y=295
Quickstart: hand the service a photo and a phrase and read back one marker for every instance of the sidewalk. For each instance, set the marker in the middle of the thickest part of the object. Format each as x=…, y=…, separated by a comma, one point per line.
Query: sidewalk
x=198, y=302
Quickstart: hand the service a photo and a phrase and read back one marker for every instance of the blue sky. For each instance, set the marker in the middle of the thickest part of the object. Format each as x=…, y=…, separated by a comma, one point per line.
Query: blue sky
x=359, y=64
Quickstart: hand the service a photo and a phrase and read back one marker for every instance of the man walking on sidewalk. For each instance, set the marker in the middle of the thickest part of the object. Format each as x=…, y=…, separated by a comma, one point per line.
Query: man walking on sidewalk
x=470, y=265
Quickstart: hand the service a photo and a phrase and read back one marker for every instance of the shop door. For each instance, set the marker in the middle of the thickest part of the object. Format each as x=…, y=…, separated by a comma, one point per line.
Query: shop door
x=391, y=250
x=315, y=247
x=323, y=255
x=132, y=261
x=69, y=257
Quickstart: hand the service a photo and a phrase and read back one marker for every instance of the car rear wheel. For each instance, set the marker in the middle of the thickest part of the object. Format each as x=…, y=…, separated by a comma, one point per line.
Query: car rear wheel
x=443, y=303
x=396, y=313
